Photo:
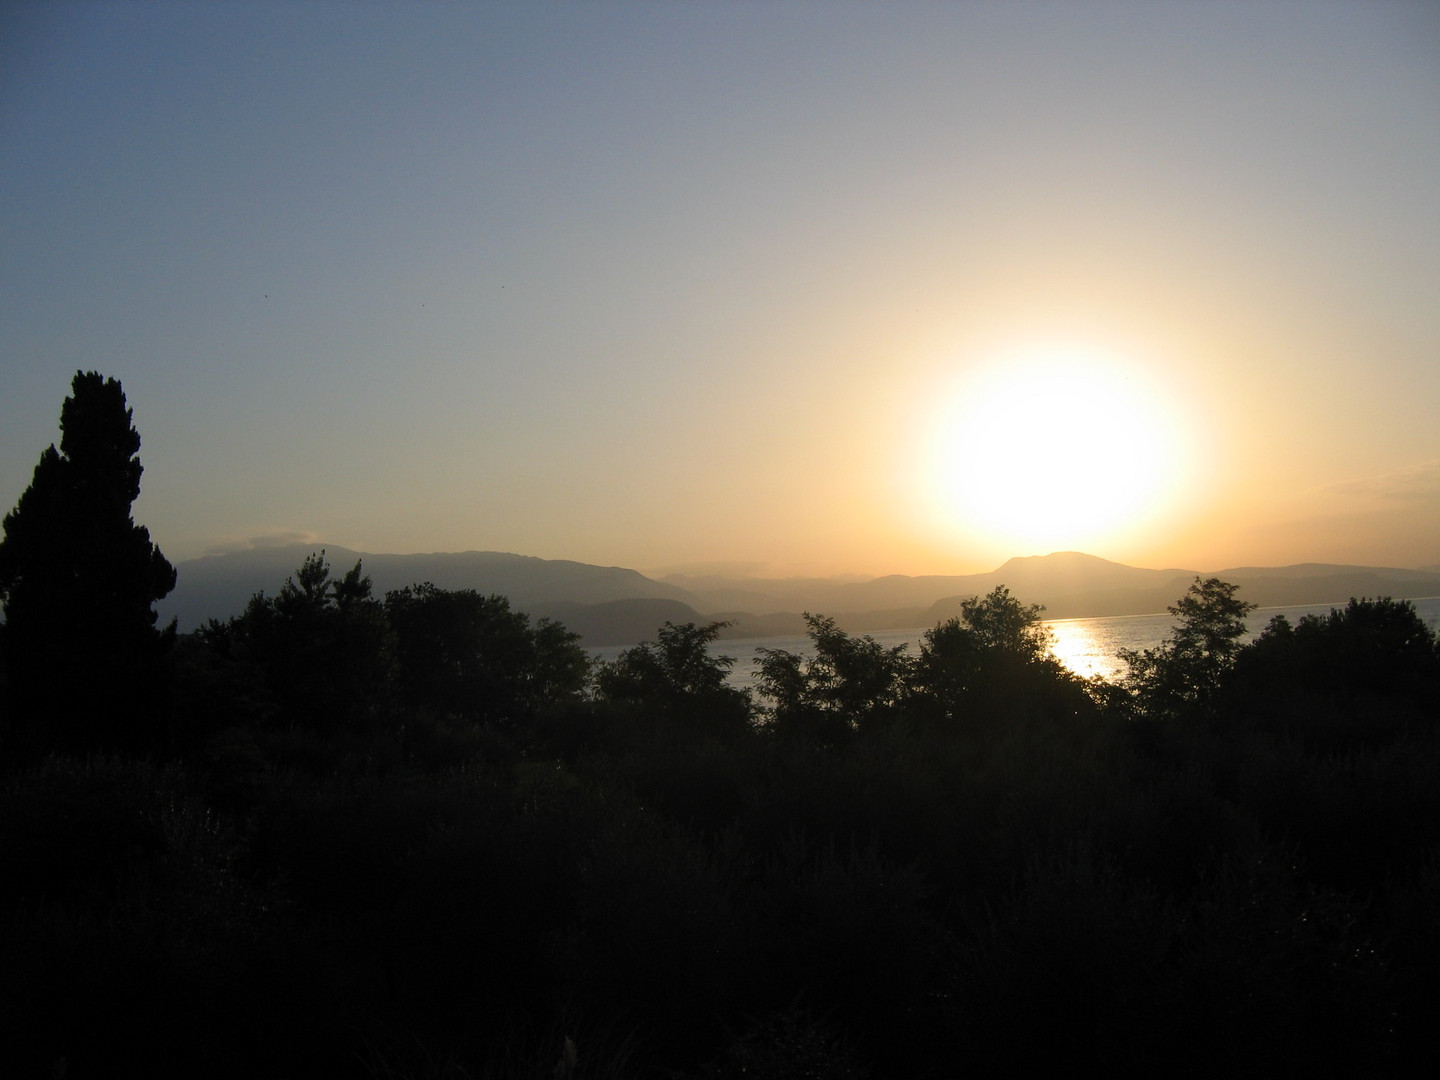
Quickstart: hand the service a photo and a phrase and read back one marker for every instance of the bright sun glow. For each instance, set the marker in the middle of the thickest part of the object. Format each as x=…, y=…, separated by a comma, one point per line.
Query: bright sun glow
x=1052, y=449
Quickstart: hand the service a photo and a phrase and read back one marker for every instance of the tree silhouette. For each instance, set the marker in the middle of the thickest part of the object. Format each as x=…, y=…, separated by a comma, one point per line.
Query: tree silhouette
x=78, y=581
x=323, y=647
x=1003, y=624
x=848, y=681
x=992, y=666
x=466, y=656
x=678, y=678
x=1358, y=676
x=1187, y=668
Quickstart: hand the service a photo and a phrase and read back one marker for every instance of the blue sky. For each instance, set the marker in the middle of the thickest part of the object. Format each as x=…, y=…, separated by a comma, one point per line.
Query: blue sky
x=695, y=284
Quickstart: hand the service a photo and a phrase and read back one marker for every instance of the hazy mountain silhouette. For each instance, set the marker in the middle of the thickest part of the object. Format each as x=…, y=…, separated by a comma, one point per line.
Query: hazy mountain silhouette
x=1070, y=584
x=218, y=586
x=611, y=605
x=1076, y=586
x=1061, y=573
x=897, y=600
x=1321, y=583
x=617, y=622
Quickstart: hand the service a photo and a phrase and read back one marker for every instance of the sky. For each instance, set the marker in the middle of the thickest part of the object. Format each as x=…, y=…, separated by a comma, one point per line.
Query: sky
x=770, y=288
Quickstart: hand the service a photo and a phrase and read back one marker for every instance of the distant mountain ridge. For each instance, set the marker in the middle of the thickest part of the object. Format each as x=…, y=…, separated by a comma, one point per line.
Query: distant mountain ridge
x=1070, y=585
x=611, y=605
x=218, y=586
x=1056, y=574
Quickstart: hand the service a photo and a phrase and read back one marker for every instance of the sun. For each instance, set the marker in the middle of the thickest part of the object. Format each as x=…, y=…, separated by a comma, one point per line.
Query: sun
x=1051, y=449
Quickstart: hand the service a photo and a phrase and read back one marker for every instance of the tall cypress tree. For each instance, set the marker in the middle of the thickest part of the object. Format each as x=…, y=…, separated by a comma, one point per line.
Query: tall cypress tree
x=78, y=581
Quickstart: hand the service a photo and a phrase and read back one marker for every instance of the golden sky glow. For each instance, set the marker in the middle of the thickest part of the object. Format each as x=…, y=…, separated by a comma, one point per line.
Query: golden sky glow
x=791, y=287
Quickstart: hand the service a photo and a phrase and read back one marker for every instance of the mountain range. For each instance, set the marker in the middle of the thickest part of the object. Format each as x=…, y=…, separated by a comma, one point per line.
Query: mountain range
x=612, y=605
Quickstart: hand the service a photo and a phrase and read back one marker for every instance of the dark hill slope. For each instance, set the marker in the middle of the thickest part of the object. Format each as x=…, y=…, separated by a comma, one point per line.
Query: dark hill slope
x=617, y=622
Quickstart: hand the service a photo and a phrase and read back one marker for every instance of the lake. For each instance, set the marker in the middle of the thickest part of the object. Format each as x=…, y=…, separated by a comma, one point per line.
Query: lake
x=1086, y=646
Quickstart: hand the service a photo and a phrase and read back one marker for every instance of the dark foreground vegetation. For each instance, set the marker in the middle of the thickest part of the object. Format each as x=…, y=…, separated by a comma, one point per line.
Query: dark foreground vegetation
x=419, y=836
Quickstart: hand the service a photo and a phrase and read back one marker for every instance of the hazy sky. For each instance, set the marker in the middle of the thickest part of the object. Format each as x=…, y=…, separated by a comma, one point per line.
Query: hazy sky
x=794, y=287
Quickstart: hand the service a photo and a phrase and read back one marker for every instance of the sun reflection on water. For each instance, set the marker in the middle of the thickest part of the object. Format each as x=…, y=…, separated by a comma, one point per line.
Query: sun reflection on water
x=1086, y=648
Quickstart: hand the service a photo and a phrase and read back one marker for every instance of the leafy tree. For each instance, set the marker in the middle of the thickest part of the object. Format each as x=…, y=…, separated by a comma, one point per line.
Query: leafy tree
x=469, y=656
x=849, y=681
x=1187, y=668
x=1002, y=624
x=79, y=581
x=955, y=655
x=322, y=646
x=676, y=676
x=993, y=662
x=1379, y=644
x=1355, y=675
x=560, y=667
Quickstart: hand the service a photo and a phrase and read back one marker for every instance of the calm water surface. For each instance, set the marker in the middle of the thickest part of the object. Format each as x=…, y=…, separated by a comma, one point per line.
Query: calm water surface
x=1086, y=646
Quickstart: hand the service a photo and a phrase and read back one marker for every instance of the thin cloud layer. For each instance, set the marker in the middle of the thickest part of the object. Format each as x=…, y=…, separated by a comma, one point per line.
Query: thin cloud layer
x=273, y=538
x=1414, y=484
